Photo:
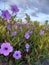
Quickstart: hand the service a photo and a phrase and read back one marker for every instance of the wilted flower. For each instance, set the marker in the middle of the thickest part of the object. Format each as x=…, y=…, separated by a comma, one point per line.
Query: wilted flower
x=27, y=47
x=17, y=54
x=30, y=32
x=14, y=8
x=6, y=14
x=15, y=26
x=41, y=32
x=45, y=28
x=6, y=48
x=14, y=33
x=27, y=36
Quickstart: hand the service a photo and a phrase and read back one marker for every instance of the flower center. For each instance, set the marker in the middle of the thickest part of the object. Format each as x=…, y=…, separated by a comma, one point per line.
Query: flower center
x=5, y=15
x=14, y=9
x=16, y=54
x=6, y=48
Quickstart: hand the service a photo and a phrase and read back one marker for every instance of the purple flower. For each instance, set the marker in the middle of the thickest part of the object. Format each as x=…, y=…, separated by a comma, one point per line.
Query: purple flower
x=14, y=33
x=30, y=32
x=17, y=54
x=14, y=8
x=6, y=48
x=41, y=32
x=45, y=28
x=6, y=14
x=27, y=36
x=27, y=50
x=8, y=27
x=27, y=47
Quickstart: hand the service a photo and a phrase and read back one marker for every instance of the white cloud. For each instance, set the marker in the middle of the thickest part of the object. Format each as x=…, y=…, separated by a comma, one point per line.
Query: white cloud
x=37, y=9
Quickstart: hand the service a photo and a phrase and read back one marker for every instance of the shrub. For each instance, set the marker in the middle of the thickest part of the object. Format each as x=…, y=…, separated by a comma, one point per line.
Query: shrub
x=22, y=43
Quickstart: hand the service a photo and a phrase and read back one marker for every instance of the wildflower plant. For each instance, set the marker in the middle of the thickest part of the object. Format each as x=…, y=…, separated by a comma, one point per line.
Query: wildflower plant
x=22, y=44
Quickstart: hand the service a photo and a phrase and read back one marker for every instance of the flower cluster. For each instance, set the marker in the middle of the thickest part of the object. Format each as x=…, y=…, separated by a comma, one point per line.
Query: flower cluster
x=7, y=15
x=6, y=49
x=23, y=41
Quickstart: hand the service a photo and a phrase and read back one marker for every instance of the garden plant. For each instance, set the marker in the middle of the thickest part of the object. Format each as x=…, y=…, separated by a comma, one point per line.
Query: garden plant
x=22, y=43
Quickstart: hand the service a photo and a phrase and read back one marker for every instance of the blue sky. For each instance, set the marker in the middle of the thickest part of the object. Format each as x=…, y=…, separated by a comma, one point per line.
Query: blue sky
x=37, y=9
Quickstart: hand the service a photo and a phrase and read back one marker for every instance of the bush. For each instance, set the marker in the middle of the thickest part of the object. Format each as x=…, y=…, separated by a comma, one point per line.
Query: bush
x=20, y=43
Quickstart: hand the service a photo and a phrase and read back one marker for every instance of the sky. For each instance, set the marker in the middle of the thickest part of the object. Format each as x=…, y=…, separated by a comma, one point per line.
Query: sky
x=37, y=9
